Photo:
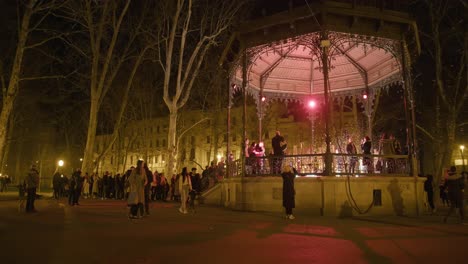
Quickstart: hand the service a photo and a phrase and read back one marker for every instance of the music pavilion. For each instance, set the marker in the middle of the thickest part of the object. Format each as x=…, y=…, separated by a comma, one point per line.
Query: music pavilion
x=318, y=52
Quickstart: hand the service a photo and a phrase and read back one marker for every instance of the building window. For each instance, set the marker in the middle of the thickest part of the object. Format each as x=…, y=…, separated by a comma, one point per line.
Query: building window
x=225, y=138
x=164, y=143
x=208, y=139
x=157, y=129
x=208, y=155
x=192, y=139
x=112, y=160
x=131, y=159
x=151, y=143
x=234, y=138
x=157, y=143
x=192, y=154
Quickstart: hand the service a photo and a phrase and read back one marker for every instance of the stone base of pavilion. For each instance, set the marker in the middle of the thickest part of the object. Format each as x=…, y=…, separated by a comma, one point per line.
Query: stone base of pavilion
x=324, y=196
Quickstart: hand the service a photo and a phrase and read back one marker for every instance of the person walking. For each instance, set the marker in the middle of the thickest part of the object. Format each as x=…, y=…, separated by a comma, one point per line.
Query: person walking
x=136, y=186
x=289, y=192
x=32, y=182
x=456, y=186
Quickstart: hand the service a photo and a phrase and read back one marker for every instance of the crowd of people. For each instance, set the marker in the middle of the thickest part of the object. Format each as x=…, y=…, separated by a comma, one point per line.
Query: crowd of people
x=388, y=145
x=256, y=158
x=138, y=185
x=258, y=162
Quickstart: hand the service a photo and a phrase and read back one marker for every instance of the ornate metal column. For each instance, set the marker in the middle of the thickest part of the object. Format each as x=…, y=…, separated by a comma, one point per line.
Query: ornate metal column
x=325, y=45
x=260, y=115
x=230, y=163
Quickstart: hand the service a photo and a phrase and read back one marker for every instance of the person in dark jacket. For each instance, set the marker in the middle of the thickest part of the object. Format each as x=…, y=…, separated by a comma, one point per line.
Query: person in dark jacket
x=278, y=145
x=366, y=147
x=31, y=182
x=147, y=190
x=76, y=184
x=289, y=192
x=456, y=186
x=56, y=185
x=429, y=189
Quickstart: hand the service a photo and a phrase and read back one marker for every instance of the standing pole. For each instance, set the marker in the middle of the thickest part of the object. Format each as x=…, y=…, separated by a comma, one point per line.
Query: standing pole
x=325, y=45
x=405, y=61
x=229, y=164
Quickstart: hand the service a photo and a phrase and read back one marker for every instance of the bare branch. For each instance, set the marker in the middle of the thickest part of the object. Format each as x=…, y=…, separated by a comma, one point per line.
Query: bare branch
x=425, y=132
x=41, y=77
x=35, y=45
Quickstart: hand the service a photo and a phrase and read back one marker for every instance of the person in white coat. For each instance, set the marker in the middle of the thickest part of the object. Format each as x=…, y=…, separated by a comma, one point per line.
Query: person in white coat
x=185, y=185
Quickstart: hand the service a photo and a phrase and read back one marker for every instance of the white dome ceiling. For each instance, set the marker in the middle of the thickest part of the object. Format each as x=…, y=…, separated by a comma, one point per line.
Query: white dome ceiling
x=294, y=66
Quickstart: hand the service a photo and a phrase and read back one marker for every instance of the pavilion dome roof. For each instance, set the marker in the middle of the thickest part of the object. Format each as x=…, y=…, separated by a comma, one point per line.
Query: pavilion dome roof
x=294, y=65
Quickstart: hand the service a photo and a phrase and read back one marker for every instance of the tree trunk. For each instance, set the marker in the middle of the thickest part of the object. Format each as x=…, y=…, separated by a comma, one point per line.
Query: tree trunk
x=6, y=152
x=11, y=92
x=19, y=173
x=87, y=165
x=171, y=142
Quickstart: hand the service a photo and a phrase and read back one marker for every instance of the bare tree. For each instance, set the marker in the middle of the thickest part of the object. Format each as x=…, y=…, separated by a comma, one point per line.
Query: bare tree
x=31, y=17
x=112, y=49
x=188, y=30
x=447, y=42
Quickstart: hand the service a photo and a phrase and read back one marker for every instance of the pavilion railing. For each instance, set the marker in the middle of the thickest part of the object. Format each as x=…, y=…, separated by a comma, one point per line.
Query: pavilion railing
x=314, y=165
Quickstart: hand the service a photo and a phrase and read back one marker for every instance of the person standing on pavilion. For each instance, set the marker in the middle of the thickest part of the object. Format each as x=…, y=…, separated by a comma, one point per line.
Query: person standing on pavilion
x=351, y=149
x=279, y=146
x=366, y=147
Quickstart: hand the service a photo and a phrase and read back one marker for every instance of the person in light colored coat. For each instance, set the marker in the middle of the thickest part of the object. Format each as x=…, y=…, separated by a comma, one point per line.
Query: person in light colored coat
x=136, y=184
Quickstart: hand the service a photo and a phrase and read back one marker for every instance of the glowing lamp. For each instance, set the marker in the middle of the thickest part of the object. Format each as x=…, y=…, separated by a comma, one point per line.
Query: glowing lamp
x=263, y=99
x=312, y=104
x=364, y=96
x=60, y=163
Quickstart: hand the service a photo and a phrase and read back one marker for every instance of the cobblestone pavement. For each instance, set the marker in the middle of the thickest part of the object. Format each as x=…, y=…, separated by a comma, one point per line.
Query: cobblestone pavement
x=98, y=231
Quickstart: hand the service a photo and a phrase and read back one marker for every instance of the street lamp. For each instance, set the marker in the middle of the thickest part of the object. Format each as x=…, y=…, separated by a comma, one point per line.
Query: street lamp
x=60, y=163
x=462, y=148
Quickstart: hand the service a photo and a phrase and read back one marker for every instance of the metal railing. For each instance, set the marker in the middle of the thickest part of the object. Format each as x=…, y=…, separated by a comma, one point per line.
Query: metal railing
x=314, y=165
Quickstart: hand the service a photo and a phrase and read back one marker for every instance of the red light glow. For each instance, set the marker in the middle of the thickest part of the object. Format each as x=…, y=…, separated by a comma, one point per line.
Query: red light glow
x=312, y=104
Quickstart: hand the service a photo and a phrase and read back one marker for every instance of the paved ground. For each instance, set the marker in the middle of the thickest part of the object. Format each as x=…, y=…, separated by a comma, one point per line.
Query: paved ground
x=99, y=232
